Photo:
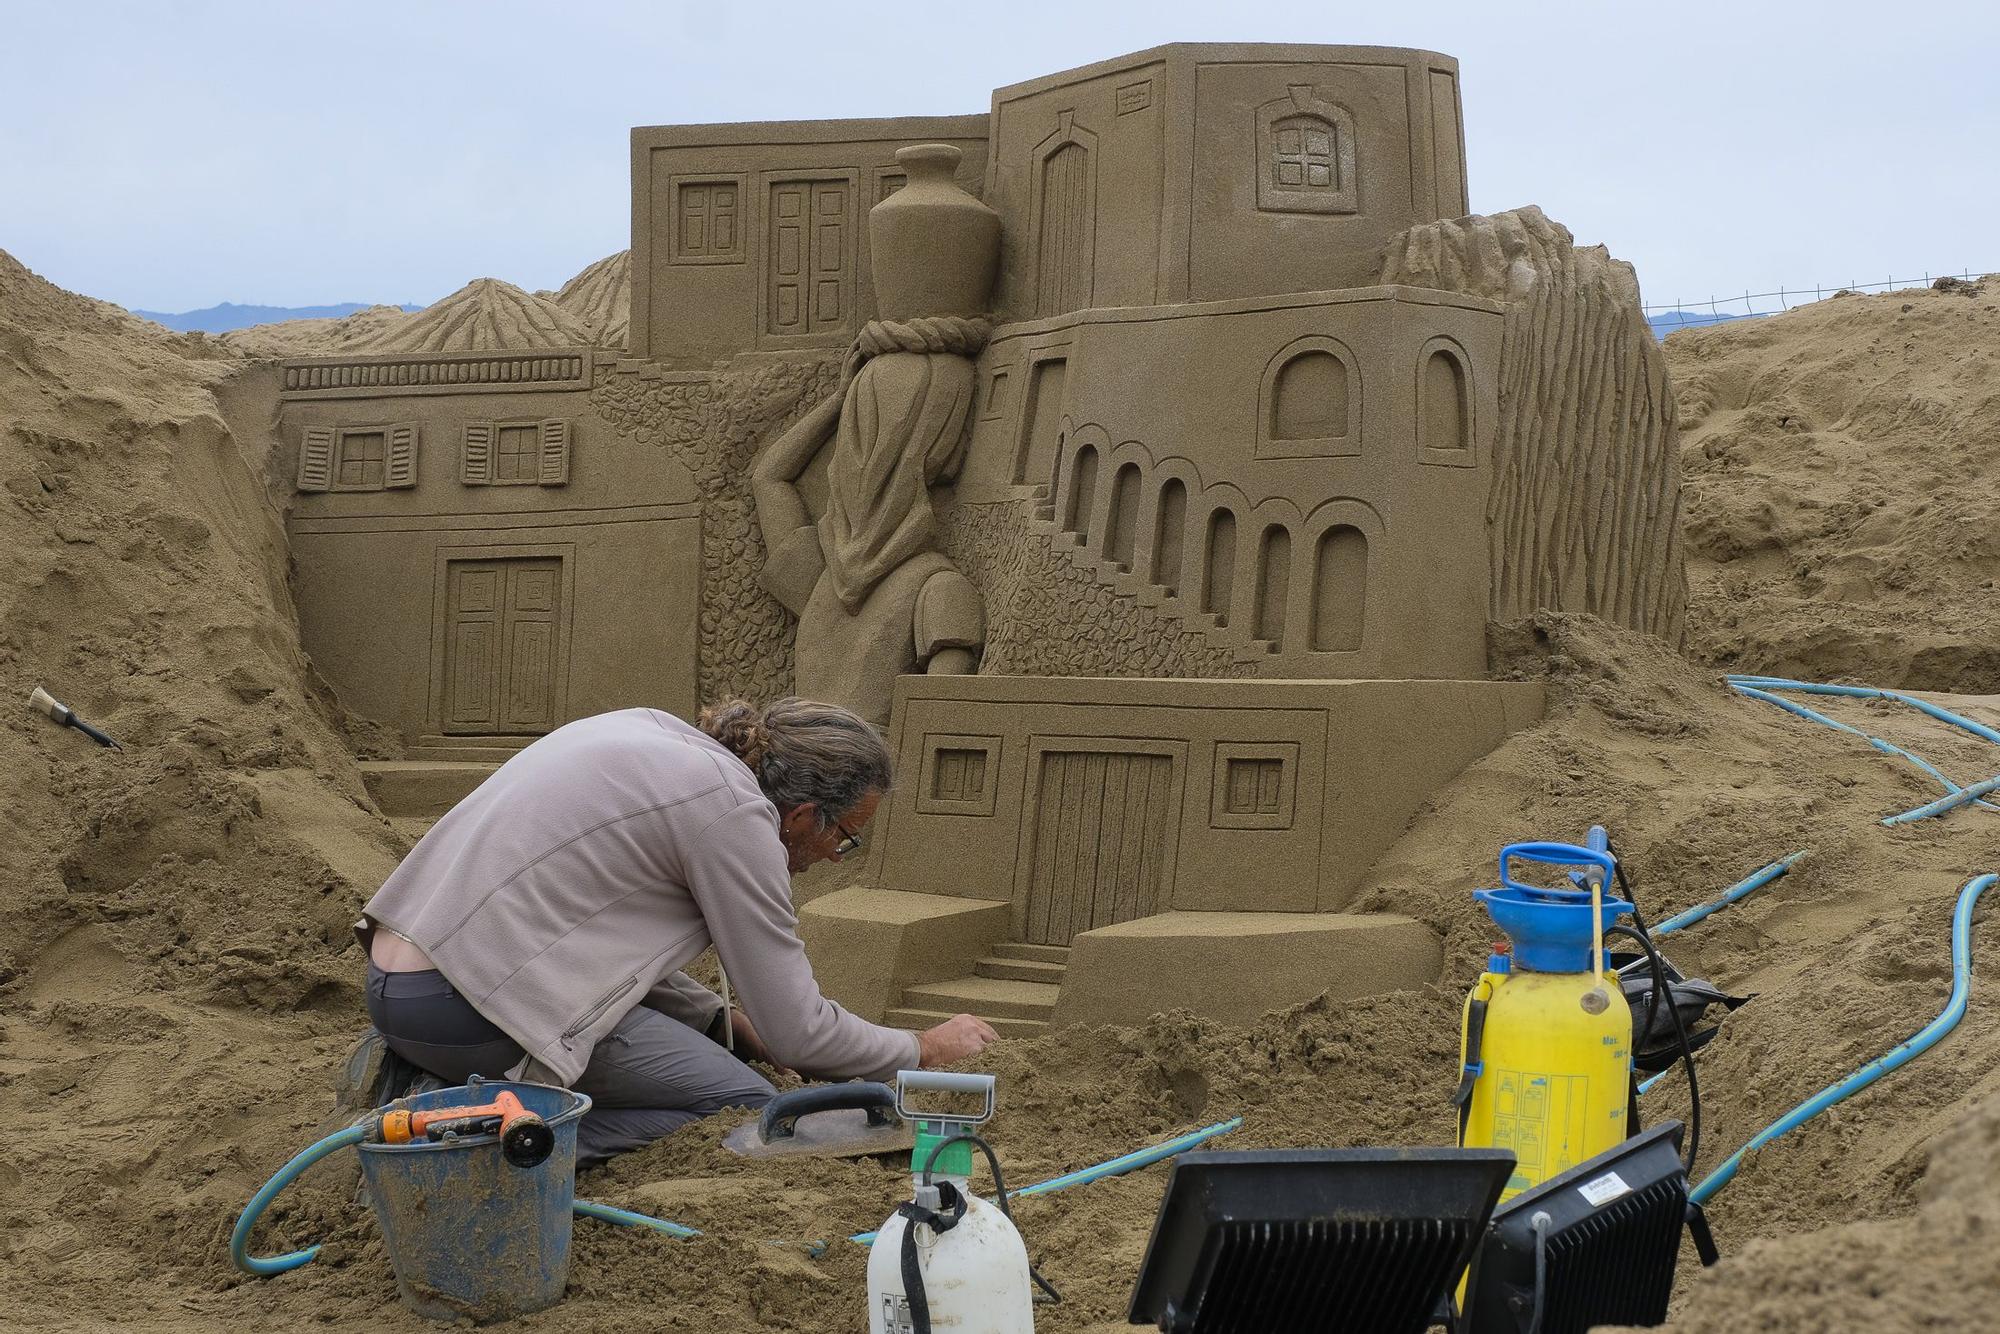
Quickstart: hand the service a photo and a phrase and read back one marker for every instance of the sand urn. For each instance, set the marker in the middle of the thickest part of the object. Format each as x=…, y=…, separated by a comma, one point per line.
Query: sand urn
x=935, y=248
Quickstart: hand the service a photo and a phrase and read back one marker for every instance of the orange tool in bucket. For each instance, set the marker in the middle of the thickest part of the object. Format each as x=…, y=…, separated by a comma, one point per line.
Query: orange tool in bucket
x=525, y=1138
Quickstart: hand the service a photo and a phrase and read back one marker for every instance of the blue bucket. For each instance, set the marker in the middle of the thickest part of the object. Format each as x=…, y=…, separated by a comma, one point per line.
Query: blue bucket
x=470, y=1235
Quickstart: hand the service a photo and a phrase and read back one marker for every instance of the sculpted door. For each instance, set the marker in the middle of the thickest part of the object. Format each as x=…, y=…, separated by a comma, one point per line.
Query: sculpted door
x=1101, y=834
x=810, y=268
x=503, y=629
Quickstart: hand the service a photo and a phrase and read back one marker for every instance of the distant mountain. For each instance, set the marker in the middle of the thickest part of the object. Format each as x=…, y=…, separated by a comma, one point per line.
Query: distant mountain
x=229, y=315
x=1667, y=322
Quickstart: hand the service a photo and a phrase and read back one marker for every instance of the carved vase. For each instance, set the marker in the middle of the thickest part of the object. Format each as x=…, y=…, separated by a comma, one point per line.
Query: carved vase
x=935, y=248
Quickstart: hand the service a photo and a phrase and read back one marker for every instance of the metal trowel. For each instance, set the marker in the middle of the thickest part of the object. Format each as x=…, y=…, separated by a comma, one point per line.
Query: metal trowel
x=851, y=1120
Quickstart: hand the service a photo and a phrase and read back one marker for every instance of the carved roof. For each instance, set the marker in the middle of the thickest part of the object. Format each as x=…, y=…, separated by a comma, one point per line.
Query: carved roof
x=486, y=315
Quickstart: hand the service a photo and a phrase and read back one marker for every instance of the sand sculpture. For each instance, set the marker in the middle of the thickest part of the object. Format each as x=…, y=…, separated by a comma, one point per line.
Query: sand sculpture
x=874, y=595
x=1184, y=370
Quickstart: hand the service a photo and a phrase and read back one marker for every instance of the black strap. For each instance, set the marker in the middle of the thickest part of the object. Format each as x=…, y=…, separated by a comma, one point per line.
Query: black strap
x=1468, y=1075
x=914, y=1214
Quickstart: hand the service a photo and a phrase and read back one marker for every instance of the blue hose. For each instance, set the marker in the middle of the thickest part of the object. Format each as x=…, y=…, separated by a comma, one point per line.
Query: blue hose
x=1938, y=712
x=1130, y=1162
x=1741, y=889
x=1947, y=803
x=239, y=1240
x=604, y=1213
x=1887, y=748
x=1924, y=1040
x=1760, y=687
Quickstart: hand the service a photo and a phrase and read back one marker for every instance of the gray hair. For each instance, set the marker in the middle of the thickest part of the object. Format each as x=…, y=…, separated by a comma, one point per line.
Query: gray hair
x=803, y=751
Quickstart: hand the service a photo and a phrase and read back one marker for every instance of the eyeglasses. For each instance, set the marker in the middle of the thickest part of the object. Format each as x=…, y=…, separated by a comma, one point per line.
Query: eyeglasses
x=849, y=840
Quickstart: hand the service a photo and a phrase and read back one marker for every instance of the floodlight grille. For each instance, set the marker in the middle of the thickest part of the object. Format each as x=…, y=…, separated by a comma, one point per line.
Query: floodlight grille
x=1314, y=1274
x=1616, y=1267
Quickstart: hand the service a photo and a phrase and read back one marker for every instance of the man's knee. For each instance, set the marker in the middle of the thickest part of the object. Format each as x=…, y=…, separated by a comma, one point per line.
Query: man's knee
x=747, y=1089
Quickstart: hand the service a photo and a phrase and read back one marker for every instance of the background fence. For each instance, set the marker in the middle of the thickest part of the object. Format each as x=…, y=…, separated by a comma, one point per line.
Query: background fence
x=1666, y=316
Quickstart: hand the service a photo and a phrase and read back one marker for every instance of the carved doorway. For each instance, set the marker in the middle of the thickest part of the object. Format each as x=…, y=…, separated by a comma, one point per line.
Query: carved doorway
x=1101, y=834
x=503, y=645
x=1065, y=213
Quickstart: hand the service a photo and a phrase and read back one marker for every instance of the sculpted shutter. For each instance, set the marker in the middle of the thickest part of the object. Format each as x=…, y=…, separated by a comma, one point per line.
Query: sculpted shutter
x=476, y=461
x=316, y=459
x=555, y=454
x=399, y=469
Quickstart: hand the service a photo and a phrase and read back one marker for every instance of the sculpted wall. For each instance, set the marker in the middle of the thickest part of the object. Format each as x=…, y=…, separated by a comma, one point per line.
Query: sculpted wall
x=1585, y=508
x=754, y=237
x=477, y=556
x=1198, y=171
x=710, y=424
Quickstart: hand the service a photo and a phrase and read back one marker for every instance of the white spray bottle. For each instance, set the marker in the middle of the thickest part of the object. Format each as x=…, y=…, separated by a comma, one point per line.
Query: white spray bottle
x=948, y=1260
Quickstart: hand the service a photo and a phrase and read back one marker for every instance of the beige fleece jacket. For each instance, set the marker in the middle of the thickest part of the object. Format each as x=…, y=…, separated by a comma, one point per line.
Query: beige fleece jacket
x=575, y=882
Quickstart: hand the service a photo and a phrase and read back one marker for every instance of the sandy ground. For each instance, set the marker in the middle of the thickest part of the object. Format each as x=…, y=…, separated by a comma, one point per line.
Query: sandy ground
x=176, y=981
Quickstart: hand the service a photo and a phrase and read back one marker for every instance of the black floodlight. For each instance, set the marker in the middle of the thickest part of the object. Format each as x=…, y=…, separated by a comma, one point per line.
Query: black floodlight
x=1292, y=1241
x=1594, y=1246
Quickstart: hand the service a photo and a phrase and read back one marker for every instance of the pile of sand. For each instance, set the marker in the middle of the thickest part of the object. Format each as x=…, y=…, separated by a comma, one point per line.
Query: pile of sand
x=1843, y=507
x=177, y=981
x=349, y=335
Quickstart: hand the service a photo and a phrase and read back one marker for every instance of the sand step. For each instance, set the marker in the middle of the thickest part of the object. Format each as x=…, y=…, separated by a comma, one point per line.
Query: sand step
x=1021, y=949
x=1021, y=970
x=421, y=789
x=986, y=997
x=918, y=1020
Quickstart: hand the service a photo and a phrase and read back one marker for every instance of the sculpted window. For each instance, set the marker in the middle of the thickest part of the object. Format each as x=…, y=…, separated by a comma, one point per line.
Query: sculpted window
x=534, y=453
x=1306, y=156
x=359, y=458
x=707, y=220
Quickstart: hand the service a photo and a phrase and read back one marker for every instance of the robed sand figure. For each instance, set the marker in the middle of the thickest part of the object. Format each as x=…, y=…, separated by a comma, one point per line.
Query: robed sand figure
x=874, y=594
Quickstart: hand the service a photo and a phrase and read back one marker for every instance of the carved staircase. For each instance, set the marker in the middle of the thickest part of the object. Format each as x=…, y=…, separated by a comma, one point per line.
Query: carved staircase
x=1014, y=988
x=1086, y=550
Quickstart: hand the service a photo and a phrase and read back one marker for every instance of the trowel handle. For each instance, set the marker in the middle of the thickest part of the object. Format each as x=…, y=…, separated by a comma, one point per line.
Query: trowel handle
x=782, y=1113
x=942, y=1081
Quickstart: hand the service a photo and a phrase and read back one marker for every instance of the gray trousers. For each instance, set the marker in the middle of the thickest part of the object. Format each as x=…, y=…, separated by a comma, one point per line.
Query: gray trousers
x=649, y=1076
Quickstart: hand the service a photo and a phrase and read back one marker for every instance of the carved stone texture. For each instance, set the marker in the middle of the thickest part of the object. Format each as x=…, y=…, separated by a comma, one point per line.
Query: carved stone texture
x=711, y=424
x=1584, y=510
x=1048, y=615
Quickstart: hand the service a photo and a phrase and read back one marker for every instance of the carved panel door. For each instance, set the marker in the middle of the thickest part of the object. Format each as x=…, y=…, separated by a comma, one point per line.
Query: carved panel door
x=1065, y=232
x=503, y=629
x=1103, y=835
x=810, y=265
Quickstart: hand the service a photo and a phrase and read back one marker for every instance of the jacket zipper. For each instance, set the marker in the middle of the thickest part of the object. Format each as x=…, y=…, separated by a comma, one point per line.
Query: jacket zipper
x=590, y=1017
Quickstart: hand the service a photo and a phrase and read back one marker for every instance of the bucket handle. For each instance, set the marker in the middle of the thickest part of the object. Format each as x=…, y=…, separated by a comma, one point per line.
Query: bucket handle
x=1554, y=854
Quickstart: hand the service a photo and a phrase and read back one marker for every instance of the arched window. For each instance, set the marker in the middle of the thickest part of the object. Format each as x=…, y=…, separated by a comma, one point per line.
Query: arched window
x=1444, y=405
x=1305, y=155
x=1123, y=521
x=1340, y=590
x=1082, y=491
x=1170, y=535
x=1218, y=588
x=1309, y=405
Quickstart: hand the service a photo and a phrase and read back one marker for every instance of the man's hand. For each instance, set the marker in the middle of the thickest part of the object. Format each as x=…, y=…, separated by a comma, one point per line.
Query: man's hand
x=953, y=1040
x=749, y=1046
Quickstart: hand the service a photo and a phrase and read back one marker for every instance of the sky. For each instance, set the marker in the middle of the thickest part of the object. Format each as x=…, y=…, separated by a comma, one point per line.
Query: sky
x=175, y=154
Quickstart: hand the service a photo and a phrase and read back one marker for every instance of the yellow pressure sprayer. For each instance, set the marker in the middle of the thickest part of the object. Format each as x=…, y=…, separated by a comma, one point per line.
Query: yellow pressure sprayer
x=1545, y=1051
